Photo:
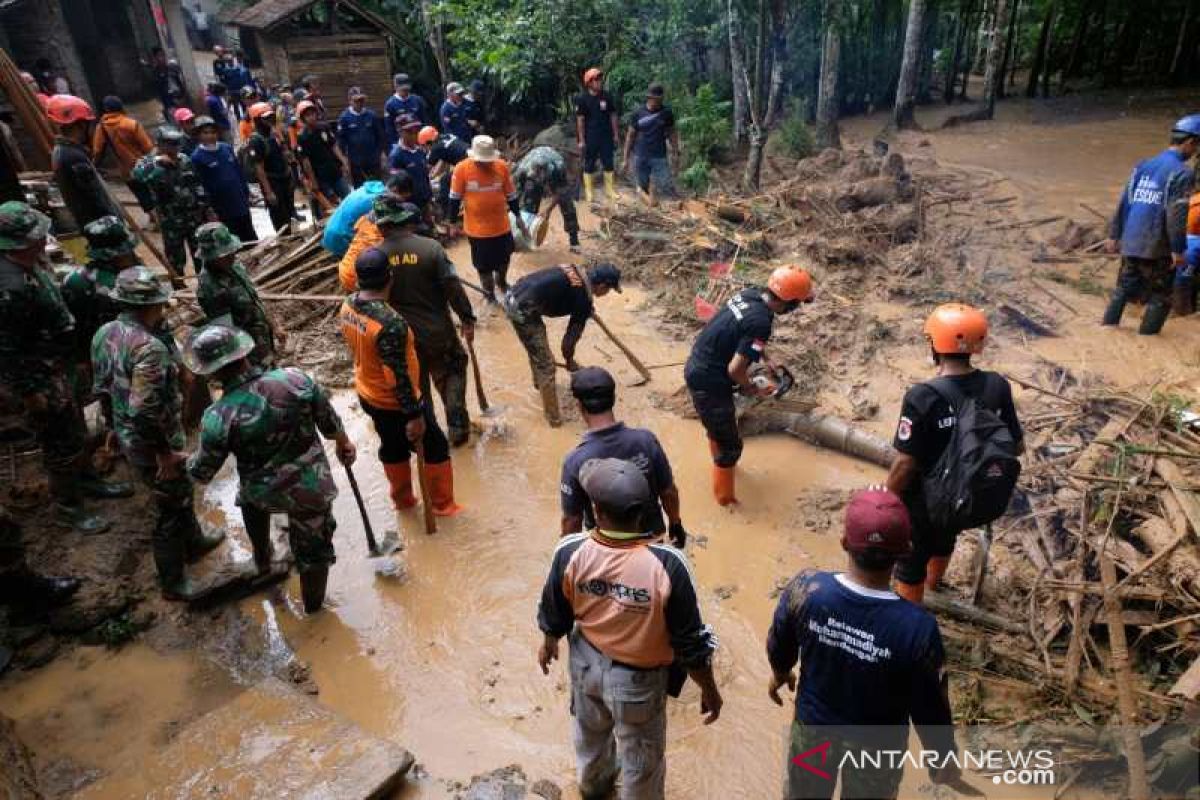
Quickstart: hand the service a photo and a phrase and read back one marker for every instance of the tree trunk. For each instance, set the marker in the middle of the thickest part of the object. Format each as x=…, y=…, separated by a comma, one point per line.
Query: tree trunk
x=993, y=70
x=1010, y=43
x=1039, y=53
x=437, y=40
x=1074, y=62
x=929, y=38
x=737, y=66
x=1177, y=59
x=1047, y=65
x=827, y=134
x=906, y=89
x=960, y=24
x=772, y=24
x=972, y=34
x=779, y=27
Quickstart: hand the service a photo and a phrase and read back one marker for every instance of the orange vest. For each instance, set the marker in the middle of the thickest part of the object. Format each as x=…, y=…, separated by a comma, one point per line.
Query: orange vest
x=1193, y=223
x=366, y=236
x=485, y=190
x=375, y=381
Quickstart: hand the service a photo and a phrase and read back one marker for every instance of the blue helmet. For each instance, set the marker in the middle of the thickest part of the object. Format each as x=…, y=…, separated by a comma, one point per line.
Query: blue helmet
x=1189, y=125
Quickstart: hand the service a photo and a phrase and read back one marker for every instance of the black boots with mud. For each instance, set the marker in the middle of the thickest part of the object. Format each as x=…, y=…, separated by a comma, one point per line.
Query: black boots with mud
x=550, y=404
x=312, y=588
x=1153, y=319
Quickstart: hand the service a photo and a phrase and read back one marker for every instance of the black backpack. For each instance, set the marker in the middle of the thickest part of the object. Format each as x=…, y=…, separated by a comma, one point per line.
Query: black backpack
x=973, y=479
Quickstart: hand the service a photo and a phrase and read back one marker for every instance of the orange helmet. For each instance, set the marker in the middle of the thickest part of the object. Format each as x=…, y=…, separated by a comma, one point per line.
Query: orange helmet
x=956, y=328
x=592, y=74
x=427, y=134
x=64, y=109
x=303, y=106
x=261, y=110
x=791, y=284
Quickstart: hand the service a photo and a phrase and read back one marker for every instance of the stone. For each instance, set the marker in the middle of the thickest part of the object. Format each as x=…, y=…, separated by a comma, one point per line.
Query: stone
x=546, y=789
x=18, y=778
x=506, y=783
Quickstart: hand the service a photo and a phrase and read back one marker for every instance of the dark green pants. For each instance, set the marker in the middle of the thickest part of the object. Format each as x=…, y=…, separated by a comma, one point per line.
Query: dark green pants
x=310, y=535
x=176, y=529
x=532, y=333
x=822, y=750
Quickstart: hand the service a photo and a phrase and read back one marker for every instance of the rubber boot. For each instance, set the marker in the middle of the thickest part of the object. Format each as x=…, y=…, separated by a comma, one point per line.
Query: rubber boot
x=180, y=590
x=1116, y=307
x=610, y=186
x=912, y=592
x=550, y=404
x=399, y=477
x=1182, y=300
x=574, y=235
x=589, y=187
x=91, y=485
x=312, y=588
x=258, y=530
x=935, y=571
x=68, y=510
x=723, y=485
x=487, y=282
x=1153, y=319
x=169, y=557
x=441, y=489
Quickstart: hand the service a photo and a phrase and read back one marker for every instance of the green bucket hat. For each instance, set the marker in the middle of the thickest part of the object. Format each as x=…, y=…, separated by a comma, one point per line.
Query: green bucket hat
x=108, y=238
x=214, y=240
x=214, y=346
x=139, y=286
x=169, y=135
x=21, y=225
x=390, y=210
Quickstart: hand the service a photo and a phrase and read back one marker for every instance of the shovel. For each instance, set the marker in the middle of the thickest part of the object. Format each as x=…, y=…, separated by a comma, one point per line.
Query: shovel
x=985, y=544
x=485, y=407
x=379, y=550
x=426, y=503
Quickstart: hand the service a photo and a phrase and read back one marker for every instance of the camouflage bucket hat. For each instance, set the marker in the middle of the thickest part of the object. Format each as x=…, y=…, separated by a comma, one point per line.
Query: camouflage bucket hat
x=214, y=346
x=139, y=286
x=21, y=225
x=214, y=240
x=108, y=238
x=389, y=210
x=169, y=136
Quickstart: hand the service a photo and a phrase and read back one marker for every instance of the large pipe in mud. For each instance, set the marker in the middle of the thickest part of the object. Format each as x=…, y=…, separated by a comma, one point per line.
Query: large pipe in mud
x=822, y=430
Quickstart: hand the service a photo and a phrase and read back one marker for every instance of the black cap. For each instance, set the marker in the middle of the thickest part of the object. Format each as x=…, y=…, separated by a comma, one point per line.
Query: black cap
x=476, y=86
x=655, y=90
x=593, y=382
x=616, y=487
x=372, y=270
x=606, y=274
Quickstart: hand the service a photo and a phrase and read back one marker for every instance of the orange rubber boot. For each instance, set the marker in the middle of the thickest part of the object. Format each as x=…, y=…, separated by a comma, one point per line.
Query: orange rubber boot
x=912, y=592
x=723, y=485
x=935, y=570
x=399, y=477
x=441, y=489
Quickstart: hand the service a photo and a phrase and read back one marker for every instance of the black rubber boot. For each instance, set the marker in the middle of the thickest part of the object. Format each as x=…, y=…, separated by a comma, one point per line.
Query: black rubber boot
x=574, y=240
x=1116, y=307
x=312, y=588
x=169, y=556
x=258, y=530
x=1153, y=319
x=68, y=510
x=487, y=281
x=30, y=590
x=91, y=485
x=1183, y=300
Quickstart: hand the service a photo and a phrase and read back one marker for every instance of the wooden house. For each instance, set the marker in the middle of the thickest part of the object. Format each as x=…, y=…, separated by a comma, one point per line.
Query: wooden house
x=340, y=41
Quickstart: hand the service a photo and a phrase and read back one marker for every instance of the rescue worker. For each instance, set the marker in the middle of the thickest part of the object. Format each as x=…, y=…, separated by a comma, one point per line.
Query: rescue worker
x=218, y=108
x=269, y=421
x=361, y=137
x=136, y=368
x=443, y=154
x=543, y=172
x=1149, y=228
x=651, y=132
x=564, y=290
x=367, y=233
x=596, y=133
x=1183, y=301
x=339, y=229
x=248, y=97
x=927, y=418
x=402, y=101
x=388, y=379
x=185, y=120
x=734, y=340
x=20, y=586
x=271, y=162
x=408, y=156
x=484, y=184
x=176, y=197
x=473, y=102
x=37, y=338
x=121, y=134
x=628, y=648
x=226, y=291
x=596, y=392
x=453, y=113
x=223, y=181
x=82, y=189
x=869, y=662
x=323, y=164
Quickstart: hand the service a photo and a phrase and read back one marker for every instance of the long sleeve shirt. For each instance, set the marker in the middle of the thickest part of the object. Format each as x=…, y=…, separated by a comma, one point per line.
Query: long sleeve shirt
x=37, y=331
x=560, y=291
x=360, y=135
x=1151, y=217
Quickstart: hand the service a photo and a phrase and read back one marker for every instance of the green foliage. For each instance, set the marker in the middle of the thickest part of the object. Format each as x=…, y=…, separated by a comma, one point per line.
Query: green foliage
x=704, y=126
x=795, y=136
x=116, y=631
x=697, y=178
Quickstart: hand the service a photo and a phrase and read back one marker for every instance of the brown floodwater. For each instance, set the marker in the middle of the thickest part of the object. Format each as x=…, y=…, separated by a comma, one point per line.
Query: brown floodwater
x=444, y=663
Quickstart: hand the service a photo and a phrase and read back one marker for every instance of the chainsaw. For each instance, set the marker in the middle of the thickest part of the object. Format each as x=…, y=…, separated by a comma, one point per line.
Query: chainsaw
x=773, y=383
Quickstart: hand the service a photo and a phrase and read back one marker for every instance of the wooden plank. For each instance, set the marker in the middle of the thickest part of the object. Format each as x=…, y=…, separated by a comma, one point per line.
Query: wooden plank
x=1135, y=757
x=1189, y=504
x=1188, y=684
x=1115, y=428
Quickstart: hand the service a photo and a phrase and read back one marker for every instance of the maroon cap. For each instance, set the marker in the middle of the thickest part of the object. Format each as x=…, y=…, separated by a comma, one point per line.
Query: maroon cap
x=876, y=518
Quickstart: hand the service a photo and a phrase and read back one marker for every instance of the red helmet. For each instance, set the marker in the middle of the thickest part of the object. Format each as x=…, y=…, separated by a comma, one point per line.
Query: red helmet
x=956, y=328
x=64, y=109
x=261, y=110
x=790, y=284
x=592, y=74
x=427, y=134
x=305, y=105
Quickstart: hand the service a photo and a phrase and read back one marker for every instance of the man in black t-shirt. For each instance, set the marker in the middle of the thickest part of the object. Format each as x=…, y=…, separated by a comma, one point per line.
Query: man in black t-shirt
x=324, y=166
x=651, y=130
x=955, y=332
x=271, y=166
x=443, y=152
x=596, y=132
x=720, y=361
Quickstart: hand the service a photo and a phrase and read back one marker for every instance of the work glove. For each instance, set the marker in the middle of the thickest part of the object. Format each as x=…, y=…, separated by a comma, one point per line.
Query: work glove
x=677, y=534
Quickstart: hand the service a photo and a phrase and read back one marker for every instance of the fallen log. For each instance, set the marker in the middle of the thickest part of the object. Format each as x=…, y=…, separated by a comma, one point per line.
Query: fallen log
x=1135, y=757
x=941, y=603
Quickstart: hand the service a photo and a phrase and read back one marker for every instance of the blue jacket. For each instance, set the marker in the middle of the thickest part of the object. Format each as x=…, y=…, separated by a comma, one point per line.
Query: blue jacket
x=222, y=177
x=416, y=164
x=454, y=120
x=1151, y=217
x=361, y=137
x=339, y=231
x=216, y=109
x=394, y=107
x=236, y=77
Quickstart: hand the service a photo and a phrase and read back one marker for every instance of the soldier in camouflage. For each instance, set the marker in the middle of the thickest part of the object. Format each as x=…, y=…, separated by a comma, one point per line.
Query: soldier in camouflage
x=269, y=421
x=36, y=336
x=19, y=585
x=544, y=172
x=136, y=368
x=226, y=290
x=176, y=195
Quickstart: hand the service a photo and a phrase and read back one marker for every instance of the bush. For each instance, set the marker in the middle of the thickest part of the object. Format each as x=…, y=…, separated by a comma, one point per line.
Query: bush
x=697, y=177
x=704, y=128
x=796, y=137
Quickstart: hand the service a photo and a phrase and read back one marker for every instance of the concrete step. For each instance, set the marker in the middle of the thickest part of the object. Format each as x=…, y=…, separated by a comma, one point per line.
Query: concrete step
x=270, y=742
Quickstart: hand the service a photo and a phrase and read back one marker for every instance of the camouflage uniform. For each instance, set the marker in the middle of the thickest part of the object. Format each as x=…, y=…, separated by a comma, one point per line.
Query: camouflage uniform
x=175, y=190
x=543, y=171
x=229, y=292
x=269, y=421
x=137, y=372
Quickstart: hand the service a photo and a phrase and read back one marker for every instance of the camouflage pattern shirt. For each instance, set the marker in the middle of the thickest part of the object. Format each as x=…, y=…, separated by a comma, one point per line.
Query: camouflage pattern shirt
x=230, y=291
x=88, y=293
x=137, y=370
x=175, y=189
x=37, y=330
x=548, y=165
x=269, y=421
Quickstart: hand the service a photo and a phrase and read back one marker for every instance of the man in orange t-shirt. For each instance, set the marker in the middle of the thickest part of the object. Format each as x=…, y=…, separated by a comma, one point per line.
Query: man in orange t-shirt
x=483, y=182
